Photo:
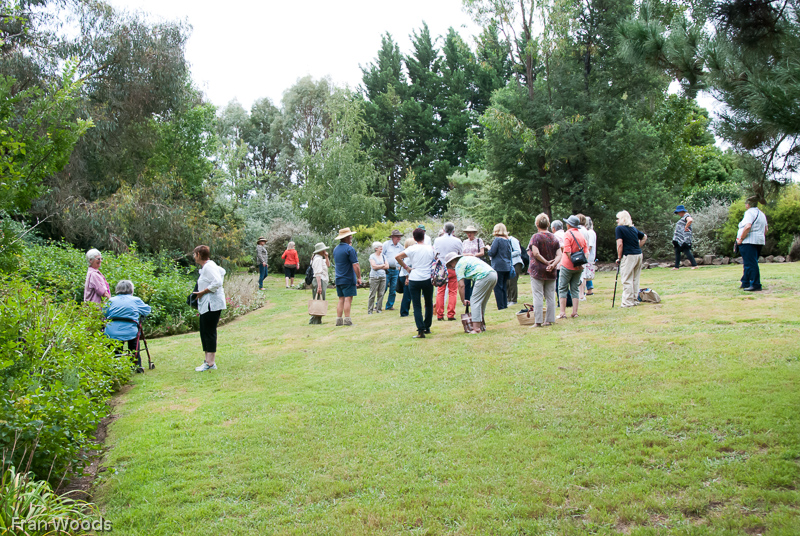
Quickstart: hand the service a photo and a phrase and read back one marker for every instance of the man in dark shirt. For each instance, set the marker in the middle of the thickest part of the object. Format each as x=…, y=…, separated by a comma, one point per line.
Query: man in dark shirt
x=348, y=274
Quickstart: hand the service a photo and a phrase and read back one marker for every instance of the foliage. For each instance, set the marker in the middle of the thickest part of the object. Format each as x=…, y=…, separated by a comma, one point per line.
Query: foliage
x=709, y=221
x=742, y=52
x=60, y=271
x=413, y=203
x=26, y=502
x=341, y=174
x=703, y=196
x=58, y=371
x=783, y=218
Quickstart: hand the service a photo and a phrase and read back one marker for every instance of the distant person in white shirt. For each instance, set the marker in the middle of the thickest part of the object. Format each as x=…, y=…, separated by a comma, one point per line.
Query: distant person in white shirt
x=749, y=240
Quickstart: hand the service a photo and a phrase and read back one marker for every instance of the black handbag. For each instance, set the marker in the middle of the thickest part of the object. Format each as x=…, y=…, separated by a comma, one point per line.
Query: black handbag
x=578, y=258
x=401, y=285
x=309, y=275
x=192, y=300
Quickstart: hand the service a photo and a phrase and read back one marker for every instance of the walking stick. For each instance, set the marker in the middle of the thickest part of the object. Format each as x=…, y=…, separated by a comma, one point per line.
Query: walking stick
x=615, y=285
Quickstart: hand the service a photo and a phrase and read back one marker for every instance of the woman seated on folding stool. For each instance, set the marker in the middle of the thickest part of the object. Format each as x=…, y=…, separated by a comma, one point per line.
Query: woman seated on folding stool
x=124, y=310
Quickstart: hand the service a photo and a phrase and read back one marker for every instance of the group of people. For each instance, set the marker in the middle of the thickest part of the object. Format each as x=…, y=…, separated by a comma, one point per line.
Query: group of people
x=560, y=259
x=124, y=311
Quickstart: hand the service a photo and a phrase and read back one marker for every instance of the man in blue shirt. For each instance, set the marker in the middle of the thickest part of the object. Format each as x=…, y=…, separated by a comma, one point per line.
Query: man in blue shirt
x=348, y=274
x=392, y=248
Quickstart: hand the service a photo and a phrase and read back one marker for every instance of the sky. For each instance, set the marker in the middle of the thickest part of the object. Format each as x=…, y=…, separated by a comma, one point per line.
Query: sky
x=248, y=49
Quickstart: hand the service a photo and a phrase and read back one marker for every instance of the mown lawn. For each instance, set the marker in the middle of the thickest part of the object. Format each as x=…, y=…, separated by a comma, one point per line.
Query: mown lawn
x=678, y=418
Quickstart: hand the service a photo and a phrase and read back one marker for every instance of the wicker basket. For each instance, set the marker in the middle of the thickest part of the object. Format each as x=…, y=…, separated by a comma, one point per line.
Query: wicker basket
x=526, y=319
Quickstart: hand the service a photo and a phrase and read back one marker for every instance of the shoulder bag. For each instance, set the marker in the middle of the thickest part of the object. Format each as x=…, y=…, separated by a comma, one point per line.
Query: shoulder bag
x=192, y=300
x=578, y=258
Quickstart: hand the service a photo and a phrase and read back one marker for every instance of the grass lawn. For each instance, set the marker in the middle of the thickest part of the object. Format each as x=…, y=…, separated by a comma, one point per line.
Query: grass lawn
x=678, y=418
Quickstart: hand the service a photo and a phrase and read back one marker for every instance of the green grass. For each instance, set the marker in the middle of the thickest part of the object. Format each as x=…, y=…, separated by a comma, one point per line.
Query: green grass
x=678, y=418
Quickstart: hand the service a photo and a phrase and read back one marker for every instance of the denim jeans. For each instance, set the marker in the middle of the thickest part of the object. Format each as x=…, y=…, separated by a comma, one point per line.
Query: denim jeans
x=391, y=286
x=405, y=303
x=501, y=290
x=752, y=275
x=262, y=275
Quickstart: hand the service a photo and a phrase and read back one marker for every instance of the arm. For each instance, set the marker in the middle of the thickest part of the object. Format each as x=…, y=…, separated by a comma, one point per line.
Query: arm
x=461, y=290
x=373, y=265
x=643, y=240
x=552, y=265
x=745, y=232
x=399, y=258
x=689, y=221
x=144, y=309
x=357, y=269
x=619, y=249
x=481, y=251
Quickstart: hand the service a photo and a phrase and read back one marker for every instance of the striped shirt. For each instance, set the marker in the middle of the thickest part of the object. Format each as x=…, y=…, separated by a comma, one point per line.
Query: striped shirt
x=758, y=229
x=682, y=236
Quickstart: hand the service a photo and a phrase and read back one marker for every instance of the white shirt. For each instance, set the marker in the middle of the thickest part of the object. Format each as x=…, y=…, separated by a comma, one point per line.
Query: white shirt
x=758, y=227
x=592, y=242
x=447, y=244
x=391, y=251
x=516, y=252
x=211, y=278
x=320, y=268
x=427, y=239
x=422, y=257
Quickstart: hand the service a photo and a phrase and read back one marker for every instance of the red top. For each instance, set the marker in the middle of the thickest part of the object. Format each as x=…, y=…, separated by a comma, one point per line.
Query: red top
x=290, y=257
x=570, y=237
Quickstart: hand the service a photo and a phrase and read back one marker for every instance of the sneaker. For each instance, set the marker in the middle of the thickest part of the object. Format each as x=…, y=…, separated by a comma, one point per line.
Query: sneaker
x=205, y=366
x=512, y=303
x=339, y=322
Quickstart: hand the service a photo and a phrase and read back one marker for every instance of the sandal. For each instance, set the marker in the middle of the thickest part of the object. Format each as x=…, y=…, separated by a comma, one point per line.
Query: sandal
x=574, y=315
x=559, y=317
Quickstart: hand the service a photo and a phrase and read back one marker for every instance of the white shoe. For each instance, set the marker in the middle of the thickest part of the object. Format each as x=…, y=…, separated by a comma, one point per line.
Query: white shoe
x=512, y=303
x=205, y=366
x=583, y=299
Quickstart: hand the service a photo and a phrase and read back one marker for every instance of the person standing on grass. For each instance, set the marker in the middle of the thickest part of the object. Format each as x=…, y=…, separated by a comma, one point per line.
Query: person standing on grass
x=402, y=280
x=290, y=264
x=629, y=256
x=516, y=271
x=484, y=278
x=585, y=232
x=750, y=239
x=320, y=262
x=500, y=254
x=472, y=247
x=445, y=244
x=377, y=278
x=589, y=268
x=545, y=253
x=558, y=232
x=348, y=274
x=211, y=302
x=261, y=256
x=427, y=239
x=391, y=248
x=421, y=257
x=569, y=275
x=682, y=237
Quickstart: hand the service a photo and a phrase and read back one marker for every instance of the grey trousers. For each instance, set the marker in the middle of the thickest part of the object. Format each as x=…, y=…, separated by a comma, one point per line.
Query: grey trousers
x=544, y=290
x=481, y=292
x=377, y=287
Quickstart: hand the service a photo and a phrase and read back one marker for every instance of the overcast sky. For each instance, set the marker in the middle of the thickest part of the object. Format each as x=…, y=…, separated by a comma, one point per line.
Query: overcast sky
x=247, y=49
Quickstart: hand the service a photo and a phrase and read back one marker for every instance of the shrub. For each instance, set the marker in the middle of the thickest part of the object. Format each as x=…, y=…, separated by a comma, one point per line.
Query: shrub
x=162, y=284
x=58, y=371
x=784, y=223
x=33, y=506
x=705, y=195
x=707, y=228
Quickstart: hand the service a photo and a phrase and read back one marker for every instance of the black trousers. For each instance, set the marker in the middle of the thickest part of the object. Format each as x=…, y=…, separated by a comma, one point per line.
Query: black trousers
x=685, y=249
x=208, y=330
x=422, y=289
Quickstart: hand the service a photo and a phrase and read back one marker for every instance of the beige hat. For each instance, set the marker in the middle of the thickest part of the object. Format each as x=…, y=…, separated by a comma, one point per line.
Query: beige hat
x=470, y=229
x=344, y=233
x=320, y=246
x=261, y=239
x=451, y=257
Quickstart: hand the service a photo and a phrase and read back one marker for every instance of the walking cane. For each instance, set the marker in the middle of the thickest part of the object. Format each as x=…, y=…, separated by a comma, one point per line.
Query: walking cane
x=615, y=285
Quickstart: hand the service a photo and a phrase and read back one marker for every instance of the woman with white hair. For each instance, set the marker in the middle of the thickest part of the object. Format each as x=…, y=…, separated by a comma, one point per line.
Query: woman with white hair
x=377, y=277
x=96, y=287
x=629, y=256
x=290, y=264
x=124, y=311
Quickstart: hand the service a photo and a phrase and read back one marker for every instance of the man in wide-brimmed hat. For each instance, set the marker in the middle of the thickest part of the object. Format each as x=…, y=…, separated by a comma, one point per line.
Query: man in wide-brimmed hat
x=348, y=274
x=261, y=259
x=392, y=248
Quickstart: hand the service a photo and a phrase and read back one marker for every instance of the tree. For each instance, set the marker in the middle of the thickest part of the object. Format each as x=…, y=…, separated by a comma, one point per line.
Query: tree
x=341, y=175
x=413, y=203
x=747, y=60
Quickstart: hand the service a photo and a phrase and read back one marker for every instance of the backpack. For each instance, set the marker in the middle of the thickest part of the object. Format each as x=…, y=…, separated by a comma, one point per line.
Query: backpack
x=309, y=275
x=439, y=274
x=648, y=295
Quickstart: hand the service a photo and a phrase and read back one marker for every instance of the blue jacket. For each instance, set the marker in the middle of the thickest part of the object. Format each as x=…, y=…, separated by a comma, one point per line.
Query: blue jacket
x=501, y=254
x=124, y=306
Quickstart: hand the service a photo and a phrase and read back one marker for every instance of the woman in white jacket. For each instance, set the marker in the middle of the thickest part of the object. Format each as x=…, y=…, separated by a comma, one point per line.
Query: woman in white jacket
x=211, y=303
